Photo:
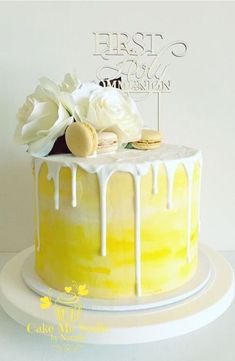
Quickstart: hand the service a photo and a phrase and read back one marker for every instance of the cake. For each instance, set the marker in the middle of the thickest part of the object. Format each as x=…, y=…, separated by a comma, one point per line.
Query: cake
x=124, y=222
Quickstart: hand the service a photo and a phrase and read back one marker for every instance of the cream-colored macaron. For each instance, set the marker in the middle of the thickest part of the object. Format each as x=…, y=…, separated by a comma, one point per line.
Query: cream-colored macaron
x=150, y=139
x=81, y=139
x=107, y=142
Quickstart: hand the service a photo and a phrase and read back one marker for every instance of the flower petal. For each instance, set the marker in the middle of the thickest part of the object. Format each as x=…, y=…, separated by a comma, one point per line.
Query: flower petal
x=70, y=83
x=111, y=109
x=50, y=89
x=42, y=146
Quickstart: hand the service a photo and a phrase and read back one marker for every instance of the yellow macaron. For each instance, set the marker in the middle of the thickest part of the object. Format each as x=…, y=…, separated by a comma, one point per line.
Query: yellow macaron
x=81, y=139
x=150, y=139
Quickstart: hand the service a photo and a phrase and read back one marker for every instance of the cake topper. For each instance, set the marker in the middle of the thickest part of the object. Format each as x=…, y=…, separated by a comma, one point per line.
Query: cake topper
x=141, y=60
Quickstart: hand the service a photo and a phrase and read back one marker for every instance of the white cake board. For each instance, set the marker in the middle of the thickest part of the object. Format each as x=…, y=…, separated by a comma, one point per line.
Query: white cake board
x=178, y=318
x=193, y=286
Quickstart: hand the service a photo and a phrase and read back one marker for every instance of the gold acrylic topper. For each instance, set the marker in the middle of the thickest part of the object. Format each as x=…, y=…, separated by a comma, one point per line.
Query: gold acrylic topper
x=141, y=60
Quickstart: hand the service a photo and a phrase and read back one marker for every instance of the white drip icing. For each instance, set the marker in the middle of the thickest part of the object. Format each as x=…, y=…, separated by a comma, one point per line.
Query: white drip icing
x=135, y=162
x=199, y=200
x=189, y=168
x=155, y=169
x=170, y=170
x=37, y=167
x=103, y=177
x=74, y=184
x=137, y=180
x=54, y=174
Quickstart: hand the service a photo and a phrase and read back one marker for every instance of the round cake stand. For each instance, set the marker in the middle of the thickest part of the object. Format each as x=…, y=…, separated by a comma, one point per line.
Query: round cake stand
x=100, y=327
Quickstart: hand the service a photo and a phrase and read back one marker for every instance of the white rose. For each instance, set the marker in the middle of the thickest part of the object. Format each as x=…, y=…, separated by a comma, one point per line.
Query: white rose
x=75, y=96
x=111, y=109
x=42, y=119
x=68, y=90
x=70, y=83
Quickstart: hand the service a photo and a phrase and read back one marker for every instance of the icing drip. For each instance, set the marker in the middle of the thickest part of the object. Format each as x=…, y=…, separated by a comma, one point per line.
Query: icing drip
x=103, y=178
x=189, y=168
x=74, y=184
x=199, y=198
x=170, y=170
x=54, y=173
x=137, y=163
x=155, y=169
x=37, y=165
x=137, y=181
x=104, y=174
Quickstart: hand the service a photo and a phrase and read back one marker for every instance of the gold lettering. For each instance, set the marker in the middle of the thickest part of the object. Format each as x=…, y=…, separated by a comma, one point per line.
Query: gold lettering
x=65, y=328
x=28, y=328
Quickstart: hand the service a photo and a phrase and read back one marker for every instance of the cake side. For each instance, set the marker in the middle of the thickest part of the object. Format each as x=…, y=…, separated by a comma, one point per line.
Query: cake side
x=124, y=224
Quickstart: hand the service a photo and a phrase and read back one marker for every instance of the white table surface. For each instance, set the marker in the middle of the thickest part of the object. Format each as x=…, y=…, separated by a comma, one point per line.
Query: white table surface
x=215, y=342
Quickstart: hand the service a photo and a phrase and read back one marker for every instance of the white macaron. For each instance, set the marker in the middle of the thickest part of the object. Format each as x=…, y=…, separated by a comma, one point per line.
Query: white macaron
x=107, y=142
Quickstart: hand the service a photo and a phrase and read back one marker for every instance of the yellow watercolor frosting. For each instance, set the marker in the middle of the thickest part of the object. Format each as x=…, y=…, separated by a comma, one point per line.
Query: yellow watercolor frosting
x=70, y=237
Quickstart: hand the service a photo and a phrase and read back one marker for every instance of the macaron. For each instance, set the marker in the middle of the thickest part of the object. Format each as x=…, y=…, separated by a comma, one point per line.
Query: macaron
x=107, y=142
x=81, y=139
x=150, y=139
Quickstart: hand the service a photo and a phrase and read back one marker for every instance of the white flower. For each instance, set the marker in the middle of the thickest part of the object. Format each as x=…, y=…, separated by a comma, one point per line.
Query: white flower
x=109, y=109
x=75, y=96
x=70, y=83
x=51, y=108
x=42, y=119
x=82, y=99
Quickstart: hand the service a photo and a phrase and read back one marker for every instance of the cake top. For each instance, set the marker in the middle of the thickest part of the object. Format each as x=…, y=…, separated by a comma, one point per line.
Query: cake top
x=166, y=152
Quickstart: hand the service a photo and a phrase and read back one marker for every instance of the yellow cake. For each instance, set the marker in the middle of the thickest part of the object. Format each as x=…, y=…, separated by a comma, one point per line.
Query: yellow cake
x=121, y=222
x=124, y=224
